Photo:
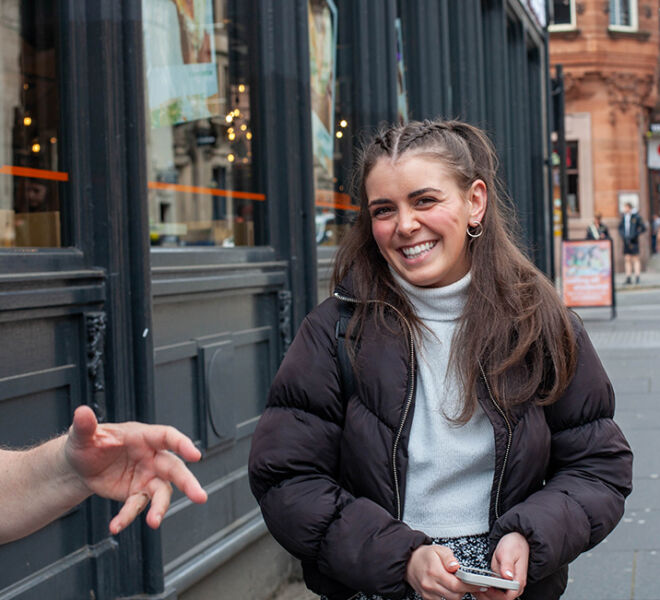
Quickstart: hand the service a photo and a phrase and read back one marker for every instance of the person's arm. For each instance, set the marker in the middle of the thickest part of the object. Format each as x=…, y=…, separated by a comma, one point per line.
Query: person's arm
x=294, y=466
x=589, y=476
x=129, y=462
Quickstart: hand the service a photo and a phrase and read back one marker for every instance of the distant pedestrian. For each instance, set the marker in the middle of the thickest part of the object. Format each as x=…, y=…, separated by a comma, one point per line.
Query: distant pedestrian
x=631, y=227
x=655, y=233
x=443, y=407
x=598, y=230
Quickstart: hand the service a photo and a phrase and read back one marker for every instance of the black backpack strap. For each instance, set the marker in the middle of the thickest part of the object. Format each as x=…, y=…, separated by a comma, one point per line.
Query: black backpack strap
x=346, y=375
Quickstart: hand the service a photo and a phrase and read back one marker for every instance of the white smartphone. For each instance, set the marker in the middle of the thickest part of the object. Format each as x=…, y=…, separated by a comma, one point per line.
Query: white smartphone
x=486, y=578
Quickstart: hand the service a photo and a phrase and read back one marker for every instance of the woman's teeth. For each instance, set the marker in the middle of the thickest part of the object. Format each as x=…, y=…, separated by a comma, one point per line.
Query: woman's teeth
x=415, y=251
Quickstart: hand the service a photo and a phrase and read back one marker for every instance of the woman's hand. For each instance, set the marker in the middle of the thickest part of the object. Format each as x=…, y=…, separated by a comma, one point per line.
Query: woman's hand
x=430, y=572
x=510, y=559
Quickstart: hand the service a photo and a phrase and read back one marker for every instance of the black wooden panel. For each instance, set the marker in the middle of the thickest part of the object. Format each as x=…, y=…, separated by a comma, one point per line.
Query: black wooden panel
x=22, y=560
x=189, y=529
x=32, y=418
x=39, y=344
x=69, y=578
x=426, y=29
x=176, y=381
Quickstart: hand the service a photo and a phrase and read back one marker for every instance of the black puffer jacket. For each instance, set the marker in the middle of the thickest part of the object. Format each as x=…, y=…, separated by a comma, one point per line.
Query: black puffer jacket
x=329, y=472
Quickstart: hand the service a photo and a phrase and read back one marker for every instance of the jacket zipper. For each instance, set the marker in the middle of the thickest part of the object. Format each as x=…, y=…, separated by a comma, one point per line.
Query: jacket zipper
x=409, y=398
x=508, y=443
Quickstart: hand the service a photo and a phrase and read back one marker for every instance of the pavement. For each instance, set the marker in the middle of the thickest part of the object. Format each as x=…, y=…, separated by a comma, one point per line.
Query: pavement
x=626, y=565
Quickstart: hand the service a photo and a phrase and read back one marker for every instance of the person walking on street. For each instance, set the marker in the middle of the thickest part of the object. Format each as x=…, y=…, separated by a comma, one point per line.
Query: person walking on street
x=443, y=408
x=598, y=230
x=630, y=228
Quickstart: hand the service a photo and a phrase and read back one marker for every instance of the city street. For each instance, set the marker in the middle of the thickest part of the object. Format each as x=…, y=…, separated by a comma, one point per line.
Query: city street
x=627, y=564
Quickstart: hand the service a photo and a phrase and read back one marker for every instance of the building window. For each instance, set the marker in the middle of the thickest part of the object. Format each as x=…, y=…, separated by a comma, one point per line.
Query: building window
x=623, y=14
x=201, y=140
x=563, y=14
x=572, y=179
x=31, y=177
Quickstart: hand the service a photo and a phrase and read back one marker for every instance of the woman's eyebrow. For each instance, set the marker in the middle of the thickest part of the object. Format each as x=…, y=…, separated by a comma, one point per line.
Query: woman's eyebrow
x=423, y=191
x=378, y=201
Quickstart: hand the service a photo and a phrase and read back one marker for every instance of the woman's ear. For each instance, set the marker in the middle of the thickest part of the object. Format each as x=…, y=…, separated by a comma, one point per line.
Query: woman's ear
x=478, y=199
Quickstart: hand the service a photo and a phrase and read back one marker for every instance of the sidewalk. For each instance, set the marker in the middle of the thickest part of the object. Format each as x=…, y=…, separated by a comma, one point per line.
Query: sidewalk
x=626, y=565
x=649, y=279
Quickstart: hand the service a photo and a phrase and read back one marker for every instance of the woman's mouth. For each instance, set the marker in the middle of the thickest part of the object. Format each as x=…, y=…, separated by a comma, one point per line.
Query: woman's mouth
x=417, y=250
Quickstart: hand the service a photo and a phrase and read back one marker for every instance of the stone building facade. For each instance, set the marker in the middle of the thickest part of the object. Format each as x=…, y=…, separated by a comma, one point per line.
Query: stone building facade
x=609, y=53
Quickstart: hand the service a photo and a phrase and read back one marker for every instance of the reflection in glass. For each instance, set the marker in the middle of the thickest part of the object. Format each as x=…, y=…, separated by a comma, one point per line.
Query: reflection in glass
x=203, y=187
x=332, y=141
x=29, y=125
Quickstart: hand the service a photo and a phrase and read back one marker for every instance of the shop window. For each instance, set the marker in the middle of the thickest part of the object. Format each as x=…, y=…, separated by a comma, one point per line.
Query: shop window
x=31, y=179
x=331, y=123
x=563, y=14
x=201, y=136
x=623, y=14
x=572, y=179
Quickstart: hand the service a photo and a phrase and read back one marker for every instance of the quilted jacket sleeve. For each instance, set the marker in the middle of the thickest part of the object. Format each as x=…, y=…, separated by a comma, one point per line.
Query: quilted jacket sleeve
x=589, y=475
x=294, y=465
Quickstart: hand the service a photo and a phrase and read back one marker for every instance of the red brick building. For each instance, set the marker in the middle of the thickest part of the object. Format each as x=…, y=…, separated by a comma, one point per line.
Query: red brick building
x=609, y=53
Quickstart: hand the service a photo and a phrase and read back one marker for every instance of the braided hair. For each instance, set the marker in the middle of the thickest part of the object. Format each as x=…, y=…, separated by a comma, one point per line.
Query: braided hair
x=528, y=350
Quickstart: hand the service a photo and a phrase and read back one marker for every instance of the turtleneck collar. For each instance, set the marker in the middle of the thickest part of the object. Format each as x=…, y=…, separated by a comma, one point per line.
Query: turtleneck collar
x=436, y=303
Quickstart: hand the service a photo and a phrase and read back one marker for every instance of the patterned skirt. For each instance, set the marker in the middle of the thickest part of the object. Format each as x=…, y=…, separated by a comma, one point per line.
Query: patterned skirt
x=471, y=551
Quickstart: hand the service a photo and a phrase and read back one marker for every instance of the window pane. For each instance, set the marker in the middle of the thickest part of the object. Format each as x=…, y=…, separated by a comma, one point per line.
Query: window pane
x=332, y=122
x=620, y=13
x=562, y=12
x=203, y=184
x=30, y=178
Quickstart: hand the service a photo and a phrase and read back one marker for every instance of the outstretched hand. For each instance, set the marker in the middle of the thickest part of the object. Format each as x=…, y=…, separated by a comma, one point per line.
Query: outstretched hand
x=133, y=463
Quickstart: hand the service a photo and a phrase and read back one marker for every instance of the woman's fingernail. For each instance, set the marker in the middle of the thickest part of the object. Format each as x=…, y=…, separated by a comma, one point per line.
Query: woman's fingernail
x=508, y=573
x=453, y=563
x=483, y=589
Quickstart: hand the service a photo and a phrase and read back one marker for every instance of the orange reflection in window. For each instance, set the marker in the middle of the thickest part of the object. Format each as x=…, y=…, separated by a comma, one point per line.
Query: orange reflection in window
x=34, y=173
x=195, y=189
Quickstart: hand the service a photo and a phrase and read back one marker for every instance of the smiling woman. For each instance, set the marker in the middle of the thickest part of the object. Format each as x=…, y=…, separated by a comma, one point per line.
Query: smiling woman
x=465, y=392
x=421, y=231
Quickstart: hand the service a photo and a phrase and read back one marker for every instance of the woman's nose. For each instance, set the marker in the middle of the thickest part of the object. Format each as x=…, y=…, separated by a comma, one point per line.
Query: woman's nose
x=407, y=222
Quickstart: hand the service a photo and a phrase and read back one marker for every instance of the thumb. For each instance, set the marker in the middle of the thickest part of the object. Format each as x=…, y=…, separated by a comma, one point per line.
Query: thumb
x=504, y=568
x=83, y=427
x=447, y=557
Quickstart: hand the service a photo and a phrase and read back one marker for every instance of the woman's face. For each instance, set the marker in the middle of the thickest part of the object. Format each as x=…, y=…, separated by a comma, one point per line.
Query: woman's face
x=419, y=218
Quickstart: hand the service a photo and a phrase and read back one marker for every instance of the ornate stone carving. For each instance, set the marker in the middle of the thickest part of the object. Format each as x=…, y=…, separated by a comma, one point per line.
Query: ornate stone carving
x=95, y=325
x=628, y=91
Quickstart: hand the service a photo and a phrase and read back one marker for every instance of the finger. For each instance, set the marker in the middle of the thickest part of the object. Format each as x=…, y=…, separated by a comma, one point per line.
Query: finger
x=83, y=426
x=165, y=437
x=133, y=506
x=171, y=468
x=160, y=502
x=447, y=557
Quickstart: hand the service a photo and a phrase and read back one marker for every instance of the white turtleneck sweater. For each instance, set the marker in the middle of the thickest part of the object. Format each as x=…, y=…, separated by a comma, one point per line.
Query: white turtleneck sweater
x=450, y=467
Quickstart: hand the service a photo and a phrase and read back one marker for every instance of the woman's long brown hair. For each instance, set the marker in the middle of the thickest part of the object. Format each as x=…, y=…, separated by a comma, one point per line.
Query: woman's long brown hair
x=513, y=322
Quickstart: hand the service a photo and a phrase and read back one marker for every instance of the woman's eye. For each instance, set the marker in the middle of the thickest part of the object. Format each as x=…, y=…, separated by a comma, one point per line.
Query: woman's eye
x=381, y=211
x=425, y=201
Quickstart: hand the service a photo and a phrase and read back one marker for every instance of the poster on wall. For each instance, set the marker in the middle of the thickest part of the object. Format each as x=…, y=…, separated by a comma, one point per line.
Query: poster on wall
x=322, y=23
x=179, y=48
x=587, y=273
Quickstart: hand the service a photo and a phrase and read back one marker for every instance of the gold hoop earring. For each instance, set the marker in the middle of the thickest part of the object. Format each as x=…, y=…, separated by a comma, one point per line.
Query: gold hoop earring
x=479, y=227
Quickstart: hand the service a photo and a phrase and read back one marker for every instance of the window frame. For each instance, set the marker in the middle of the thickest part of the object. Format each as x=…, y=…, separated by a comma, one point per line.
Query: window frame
x=565, y=26
x=633, y=17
